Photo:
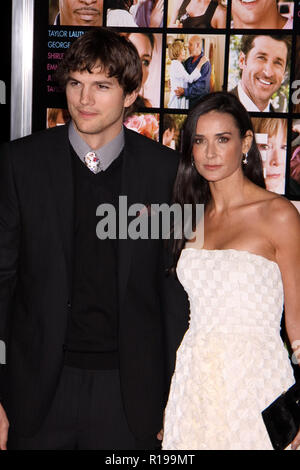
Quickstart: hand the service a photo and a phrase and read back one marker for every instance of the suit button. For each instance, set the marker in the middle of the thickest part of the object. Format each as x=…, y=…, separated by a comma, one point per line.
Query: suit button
x=69, y=304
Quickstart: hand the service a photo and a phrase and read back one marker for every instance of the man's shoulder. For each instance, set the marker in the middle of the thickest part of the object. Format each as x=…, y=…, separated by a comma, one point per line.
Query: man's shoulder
x=42, y=136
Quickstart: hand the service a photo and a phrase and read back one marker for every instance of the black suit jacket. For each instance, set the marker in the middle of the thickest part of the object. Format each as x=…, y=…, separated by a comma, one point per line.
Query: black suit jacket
x=36, y=237
x=235, y=92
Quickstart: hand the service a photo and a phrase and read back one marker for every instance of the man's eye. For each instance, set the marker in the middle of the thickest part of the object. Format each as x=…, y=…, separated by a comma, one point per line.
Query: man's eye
x=102, y=86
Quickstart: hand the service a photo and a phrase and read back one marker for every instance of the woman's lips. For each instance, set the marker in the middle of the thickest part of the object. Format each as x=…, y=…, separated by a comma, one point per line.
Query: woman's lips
x=212, y=167
x=273, y=175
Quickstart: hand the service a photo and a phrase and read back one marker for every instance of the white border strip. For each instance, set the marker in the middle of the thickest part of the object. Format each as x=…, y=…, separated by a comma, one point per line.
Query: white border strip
x=21, y=68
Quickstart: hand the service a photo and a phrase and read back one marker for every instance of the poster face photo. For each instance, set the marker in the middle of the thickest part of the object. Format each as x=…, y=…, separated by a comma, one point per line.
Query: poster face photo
x=262, y=14
x=149, y=47
x=75, y=13
x=194, y=66
x=259, y=71
x=271, y=139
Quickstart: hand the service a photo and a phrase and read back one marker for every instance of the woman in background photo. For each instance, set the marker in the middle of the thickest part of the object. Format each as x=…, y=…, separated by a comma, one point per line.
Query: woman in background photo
x=197, y=14
x=273, y=152
x=118, y=13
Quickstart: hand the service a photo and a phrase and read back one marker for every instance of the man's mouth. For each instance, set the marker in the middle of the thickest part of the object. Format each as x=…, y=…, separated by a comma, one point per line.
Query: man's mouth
x=85, y=113
x=86, y=12
x=248, y=1
x=265, y=82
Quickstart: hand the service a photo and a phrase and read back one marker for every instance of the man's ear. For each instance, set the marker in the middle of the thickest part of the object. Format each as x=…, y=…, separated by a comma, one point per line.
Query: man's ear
x=130, y=99
x=242, y=60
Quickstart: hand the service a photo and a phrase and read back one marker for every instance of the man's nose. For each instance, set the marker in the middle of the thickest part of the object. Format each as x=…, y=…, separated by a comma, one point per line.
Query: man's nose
x=86, y=96
x=268, y=69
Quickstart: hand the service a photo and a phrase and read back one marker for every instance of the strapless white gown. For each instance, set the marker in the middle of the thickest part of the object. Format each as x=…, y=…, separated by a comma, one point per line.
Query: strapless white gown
x=232, y=362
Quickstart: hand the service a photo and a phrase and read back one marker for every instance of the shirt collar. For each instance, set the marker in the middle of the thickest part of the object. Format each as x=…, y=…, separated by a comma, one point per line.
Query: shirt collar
x=107, y=154
x=247, y=102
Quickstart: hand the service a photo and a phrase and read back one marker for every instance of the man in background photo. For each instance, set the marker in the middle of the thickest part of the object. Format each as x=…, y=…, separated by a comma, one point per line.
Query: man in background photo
x=263, y=61
x=78, y=12
x=259, y=14
x=201, y=86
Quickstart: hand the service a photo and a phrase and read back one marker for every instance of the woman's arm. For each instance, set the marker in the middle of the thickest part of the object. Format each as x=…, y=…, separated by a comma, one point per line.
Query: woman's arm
x=176, y=4
x=285, y=228
x=286, y=240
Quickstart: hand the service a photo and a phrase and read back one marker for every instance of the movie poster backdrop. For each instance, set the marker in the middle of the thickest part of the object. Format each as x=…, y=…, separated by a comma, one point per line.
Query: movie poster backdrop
x=5, y=74
x=236, y=44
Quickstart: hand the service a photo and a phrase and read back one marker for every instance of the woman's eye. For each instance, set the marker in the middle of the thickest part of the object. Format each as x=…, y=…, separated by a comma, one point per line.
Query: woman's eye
x=263, y=147
x=223, y=140
x=198, y=140
x=145, y=62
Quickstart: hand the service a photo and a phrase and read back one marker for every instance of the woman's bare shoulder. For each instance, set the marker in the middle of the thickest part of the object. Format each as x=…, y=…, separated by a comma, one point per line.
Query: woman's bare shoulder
x=279, y=215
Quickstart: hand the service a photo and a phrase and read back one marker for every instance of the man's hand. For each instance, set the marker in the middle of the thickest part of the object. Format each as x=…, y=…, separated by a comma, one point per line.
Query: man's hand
x=203, y=61
x=160, y=435
x=4, y=425
x=179, y=91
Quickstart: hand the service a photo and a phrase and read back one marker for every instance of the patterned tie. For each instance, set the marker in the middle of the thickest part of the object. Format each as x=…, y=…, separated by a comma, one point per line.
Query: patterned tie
x=92, y=162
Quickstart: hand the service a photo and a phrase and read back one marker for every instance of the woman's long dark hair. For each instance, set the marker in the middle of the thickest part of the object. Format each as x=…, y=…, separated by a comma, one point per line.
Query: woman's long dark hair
x=190, y=187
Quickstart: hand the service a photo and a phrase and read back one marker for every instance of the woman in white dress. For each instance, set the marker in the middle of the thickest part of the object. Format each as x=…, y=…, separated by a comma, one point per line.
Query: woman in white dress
x=232, y=362
x=179, y=77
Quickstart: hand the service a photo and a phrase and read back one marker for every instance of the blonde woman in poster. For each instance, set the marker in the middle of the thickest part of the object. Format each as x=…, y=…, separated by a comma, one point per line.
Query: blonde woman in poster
x=179, y=77
x=271, y=137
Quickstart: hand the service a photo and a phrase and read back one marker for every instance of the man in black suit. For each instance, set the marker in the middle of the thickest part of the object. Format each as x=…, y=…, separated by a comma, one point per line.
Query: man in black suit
x=91, y=324
x=263, y=61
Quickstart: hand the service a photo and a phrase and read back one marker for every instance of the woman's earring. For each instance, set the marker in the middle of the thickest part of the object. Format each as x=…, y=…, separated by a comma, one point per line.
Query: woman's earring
x=245, y=159
x=193, y=164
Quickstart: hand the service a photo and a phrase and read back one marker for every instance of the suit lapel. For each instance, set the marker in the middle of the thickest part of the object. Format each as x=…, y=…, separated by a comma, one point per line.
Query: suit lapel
x=59, y=163
x=131, y=187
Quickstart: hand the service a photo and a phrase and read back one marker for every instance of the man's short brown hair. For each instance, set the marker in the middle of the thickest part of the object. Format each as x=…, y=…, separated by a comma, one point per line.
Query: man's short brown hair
x=112, y=52
x=247, y=43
